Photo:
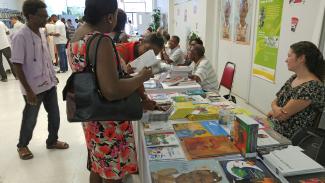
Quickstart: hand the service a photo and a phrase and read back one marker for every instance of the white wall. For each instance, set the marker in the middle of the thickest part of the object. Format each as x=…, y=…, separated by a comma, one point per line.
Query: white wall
x=11, y=4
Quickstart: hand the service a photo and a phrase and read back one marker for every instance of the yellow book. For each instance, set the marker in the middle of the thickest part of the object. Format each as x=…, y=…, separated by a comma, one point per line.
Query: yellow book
x=204, y=112
x=181, y=110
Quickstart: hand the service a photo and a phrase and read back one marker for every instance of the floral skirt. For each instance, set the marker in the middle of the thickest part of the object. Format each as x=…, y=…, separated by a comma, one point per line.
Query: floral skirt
x=111, y=148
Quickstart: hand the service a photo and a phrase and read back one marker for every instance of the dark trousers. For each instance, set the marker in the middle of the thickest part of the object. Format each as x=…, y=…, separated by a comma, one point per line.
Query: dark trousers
x=7, y=53
x=50, y=101
x=62, y=57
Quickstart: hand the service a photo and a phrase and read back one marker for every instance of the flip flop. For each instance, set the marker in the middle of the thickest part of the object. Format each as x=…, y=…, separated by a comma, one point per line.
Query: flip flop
x=25, y=153
x=58, y=145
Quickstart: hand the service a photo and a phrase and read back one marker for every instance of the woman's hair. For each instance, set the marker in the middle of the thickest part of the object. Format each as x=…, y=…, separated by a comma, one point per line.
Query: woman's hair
x=197, y=40
x=155, y=39
x=30, y=7
x=121, y=21
x=313, y=56
x=95, y=10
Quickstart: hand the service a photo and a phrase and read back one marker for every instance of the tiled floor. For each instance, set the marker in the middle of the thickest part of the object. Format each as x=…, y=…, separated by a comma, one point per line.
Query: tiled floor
x=47, y=166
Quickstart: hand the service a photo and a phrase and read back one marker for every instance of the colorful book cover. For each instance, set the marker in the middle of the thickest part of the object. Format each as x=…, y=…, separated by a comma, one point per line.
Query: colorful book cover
x=214, y=128
x=193, y=129
x=213, y=146
x=165, y=153
x=158, y=96
x=182, y=99
x=181, y=110
x=161, y=139
x=158, y=126
x=204, y=112
x=245, y=132
x=250, y=171
x=186, y=171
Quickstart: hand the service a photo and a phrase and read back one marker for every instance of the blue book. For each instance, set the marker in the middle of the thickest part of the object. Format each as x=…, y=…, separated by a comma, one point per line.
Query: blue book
x=214, y=128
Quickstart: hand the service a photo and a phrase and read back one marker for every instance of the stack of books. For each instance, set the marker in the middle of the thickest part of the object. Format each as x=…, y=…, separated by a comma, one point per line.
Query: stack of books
x=182, y=71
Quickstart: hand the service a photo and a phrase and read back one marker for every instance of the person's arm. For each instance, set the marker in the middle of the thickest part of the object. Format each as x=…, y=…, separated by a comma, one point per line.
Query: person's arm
x=200, y=74
x=290, y=109
x=195, y=78
x=31, y=97
x=112, y=87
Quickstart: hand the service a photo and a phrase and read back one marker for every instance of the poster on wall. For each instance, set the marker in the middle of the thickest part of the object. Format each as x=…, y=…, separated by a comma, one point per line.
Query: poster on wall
x=226, y=20
x=185, y=15
x=267, y=42
x=243, y=12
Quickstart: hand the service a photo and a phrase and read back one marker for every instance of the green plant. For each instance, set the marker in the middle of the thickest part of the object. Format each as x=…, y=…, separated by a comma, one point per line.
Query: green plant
x=156, y=16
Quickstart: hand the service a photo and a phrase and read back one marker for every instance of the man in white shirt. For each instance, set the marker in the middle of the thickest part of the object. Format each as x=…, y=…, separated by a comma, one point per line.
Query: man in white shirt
x=5, y=50
x=60, y=39
x=176, y=55
x=203, y=72
x=17, y=25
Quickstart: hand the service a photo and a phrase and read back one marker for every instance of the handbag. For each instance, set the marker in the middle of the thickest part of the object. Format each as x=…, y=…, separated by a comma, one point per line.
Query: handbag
x=85, y=102
x=312, y=140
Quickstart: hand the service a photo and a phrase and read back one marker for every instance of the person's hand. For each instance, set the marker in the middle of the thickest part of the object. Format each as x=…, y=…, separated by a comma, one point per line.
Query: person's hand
x=148, y=105
x=31, y=98
x=146, y=73
x=129, y=69
x=279, y=114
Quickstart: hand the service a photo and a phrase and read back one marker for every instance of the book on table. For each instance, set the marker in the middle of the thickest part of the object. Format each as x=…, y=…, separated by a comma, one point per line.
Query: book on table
x=195, y=171
x=211, y=146
x=161, y=139
x=157, y=127
x=307, y=178
x=248, y=171
x=291, y=161
x=165, y=153
x=245, y=131
x=203, y=112
x=199, y=129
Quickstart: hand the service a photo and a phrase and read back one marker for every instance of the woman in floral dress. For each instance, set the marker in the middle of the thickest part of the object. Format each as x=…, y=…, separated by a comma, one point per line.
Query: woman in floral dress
x=110, y=144
x=302, y=97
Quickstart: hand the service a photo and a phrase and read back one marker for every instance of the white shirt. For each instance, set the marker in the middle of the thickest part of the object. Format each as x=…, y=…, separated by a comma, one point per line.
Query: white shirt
x=176, y=55
x=17, y=26
x=204, y=70
x=50, y=28
x=4, y=42
x=60, y=28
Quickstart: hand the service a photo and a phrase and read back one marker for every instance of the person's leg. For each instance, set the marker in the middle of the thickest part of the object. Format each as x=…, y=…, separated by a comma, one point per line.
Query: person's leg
x=7, y=54
x=30, y=114
x=95, y=178
x=51, y=106
x=64, y=55
x=61, y=57
x=2, y=69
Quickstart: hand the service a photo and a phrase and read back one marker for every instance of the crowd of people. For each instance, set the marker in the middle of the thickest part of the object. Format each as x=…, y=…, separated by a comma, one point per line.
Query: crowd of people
x=44, y=42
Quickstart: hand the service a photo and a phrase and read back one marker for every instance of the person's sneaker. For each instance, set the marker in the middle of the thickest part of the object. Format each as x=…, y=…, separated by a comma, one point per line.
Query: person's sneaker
x=4, y=80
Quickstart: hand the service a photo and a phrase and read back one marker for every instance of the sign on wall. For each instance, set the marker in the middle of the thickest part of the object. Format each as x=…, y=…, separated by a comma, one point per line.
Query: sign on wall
x=267, y=42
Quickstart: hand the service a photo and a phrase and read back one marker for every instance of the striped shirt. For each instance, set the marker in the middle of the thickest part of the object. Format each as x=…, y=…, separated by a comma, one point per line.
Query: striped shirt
x=204, y=70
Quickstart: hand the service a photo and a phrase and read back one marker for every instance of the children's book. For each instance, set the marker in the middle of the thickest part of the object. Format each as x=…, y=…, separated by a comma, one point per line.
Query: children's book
x=181, y=110
x=165, y=153
x=161, y=139
x=157, y=127
x=212, y=146
x=193, y=129
x=250, y=171
x=214, y=128
x=204, y=112
x=196, y=171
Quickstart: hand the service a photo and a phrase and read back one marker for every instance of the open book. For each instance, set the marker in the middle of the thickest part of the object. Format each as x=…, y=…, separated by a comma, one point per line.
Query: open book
x=147, y=59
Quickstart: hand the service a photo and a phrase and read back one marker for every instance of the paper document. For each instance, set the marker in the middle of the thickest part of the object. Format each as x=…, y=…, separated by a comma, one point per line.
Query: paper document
x=147, y=59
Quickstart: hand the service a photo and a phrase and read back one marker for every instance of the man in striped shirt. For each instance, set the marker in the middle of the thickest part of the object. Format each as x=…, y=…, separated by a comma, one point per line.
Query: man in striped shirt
x=203, y=72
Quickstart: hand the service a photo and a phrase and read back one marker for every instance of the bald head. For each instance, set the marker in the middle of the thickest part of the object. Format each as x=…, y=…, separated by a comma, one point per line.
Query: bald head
x=196, y=52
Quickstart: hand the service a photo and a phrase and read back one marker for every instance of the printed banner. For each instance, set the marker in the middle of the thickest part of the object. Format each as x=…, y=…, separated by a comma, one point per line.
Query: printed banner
x=267, y=42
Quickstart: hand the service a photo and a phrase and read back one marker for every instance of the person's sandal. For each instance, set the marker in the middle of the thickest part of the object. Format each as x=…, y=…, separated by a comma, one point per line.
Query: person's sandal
x=58, y=145
x=25, y=153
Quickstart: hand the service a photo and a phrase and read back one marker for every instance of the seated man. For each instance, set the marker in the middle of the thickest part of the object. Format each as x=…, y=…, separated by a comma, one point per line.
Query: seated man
x=176, y=55
x=203, y=72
